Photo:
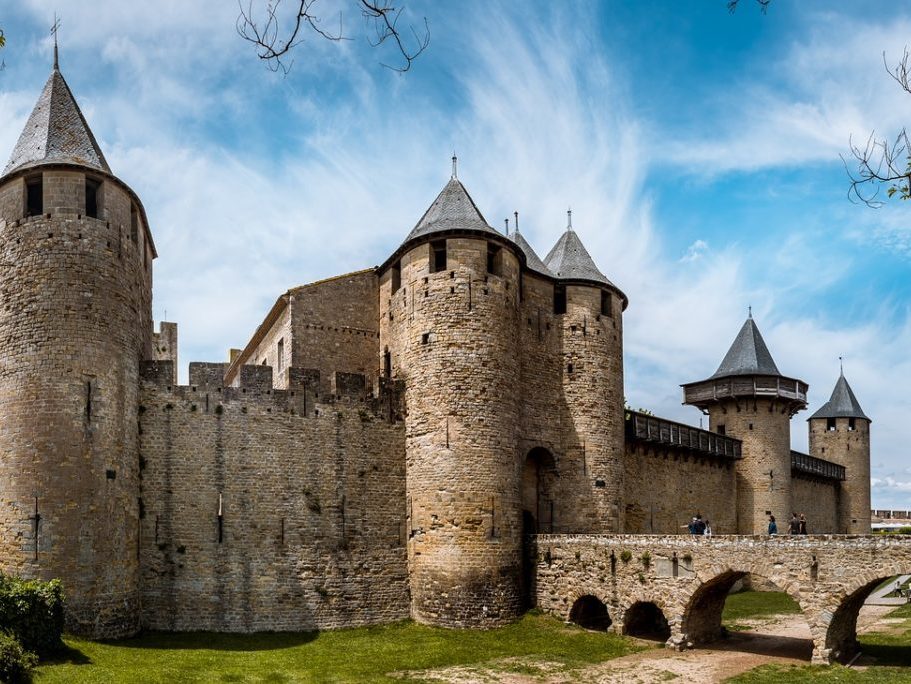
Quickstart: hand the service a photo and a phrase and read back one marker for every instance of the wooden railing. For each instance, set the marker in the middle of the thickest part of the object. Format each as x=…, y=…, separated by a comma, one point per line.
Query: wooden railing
x=810, y=465
x=644, y=428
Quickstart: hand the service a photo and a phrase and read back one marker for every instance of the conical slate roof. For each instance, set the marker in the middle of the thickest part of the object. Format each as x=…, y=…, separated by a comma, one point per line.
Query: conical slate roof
x=748, y=355
x=532, y=260
x=569, y=260
x=56, y=132
x=842, y=403
x=453, y=209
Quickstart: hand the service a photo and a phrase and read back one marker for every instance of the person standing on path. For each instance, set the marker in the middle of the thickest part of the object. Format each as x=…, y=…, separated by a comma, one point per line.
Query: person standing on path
x=773, y=526
x=794, y=524
x=803, y=524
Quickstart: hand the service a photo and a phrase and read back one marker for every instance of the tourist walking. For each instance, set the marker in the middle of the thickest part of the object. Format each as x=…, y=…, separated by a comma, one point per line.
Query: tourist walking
x=708, y=529
x=803, y=524
x=773, y=526
x=794, y=524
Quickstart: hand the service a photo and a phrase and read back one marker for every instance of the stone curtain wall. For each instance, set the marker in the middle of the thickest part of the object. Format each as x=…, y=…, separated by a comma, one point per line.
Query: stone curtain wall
x=819, y=501
x=688, y=578
x=76, y=321
x=665, y=488
x=312, y=501
x=334, y=327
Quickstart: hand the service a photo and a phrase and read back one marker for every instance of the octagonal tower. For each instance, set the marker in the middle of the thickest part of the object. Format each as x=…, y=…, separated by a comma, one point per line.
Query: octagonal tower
x=76, y=286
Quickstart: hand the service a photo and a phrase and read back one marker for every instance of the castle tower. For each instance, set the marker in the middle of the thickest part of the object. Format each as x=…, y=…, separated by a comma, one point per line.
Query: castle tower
x=590, y=308
x=448, y=329
x=840, y=432
x=749, y=399
x=76, y=287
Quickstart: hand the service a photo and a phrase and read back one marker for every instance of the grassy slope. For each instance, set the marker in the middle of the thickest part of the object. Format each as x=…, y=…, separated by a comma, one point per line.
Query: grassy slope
x=351, y=655
x=891, y=651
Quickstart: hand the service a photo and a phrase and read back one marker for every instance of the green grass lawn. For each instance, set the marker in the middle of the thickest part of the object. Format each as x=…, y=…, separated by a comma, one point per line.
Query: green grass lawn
x=366, y=654
x=755, y=604
x=892, y=654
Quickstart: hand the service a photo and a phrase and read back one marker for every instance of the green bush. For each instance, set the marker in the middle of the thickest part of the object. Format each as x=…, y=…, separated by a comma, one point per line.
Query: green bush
x=16, y=664
x=33, y=612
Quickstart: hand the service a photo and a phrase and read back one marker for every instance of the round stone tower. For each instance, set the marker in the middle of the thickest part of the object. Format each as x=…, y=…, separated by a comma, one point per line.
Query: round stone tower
x=448, y=309
x=840, y=432
x=749, y=399
x=76, y=288
x=590, y=309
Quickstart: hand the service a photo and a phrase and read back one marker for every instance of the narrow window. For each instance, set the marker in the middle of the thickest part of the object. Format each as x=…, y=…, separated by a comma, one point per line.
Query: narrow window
x=494, y=259
x=396, y=276
x=559, y=299
x=830, y=424
x=91, y=197
x=607, y=308
x=387, y=363
x=425, y=338
x=438, y=256
x=280, y=353
x=720, y=430
x=851, y=424
x=134, y=224
x=34, y=193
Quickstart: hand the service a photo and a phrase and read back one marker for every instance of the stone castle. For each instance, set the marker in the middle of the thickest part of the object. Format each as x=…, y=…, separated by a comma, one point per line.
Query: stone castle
x=385, y=443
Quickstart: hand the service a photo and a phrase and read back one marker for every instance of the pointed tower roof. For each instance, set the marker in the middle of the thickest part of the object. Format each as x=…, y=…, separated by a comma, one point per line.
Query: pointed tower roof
x=842, y=403
x=532, y=260
x=569, y=260
x=748, y=355
x=56, y=132
x=453, y=209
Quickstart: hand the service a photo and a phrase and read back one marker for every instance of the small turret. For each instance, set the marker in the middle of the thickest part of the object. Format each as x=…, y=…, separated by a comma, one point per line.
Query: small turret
x=840, y=432
x=748, y=398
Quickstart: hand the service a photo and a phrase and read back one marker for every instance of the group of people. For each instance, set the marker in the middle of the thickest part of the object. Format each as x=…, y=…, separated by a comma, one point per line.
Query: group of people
x=797, y=524
x=700, y=527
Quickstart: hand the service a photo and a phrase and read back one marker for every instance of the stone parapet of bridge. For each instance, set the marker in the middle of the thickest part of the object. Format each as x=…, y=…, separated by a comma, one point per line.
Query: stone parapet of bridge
x=688, y=578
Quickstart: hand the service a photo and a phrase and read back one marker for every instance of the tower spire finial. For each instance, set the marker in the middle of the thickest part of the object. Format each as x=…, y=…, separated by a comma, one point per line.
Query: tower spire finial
x=506, y=221
x=455, y=165
x=841, y=364
x=54, y=33
x=516, y=214
x=569, y=219
x=749, y=311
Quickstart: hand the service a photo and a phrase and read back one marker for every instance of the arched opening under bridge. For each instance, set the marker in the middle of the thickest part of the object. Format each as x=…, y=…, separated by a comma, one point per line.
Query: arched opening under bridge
x=591, y=613
x=646, y=620
x=762, y=622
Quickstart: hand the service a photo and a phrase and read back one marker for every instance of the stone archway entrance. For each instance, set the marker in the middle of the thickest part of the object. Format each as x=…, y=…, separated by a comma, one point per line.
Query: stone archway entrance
x=538, y=474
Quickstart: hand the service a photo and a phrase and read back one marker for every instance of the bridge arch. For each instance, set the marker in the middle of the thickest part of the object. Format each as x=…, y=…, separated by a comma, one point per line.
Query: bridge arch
x=646, y=620
x=590, y=612
x=703, y=607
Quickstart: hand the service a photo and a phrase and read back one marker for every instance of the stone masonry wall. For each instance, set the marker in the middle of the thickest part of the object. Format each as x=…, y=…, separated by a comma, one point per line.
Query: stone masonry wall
x=312, y=499
x=764, y=472
x=818, y=500
x=76, y=300
x=850, y=448
x=665, y=488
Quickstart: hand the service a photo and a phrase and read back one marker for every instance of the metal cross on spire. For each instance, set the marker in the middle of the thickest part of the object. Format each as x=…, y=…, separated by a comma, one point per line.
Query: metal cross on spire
x=54, y=30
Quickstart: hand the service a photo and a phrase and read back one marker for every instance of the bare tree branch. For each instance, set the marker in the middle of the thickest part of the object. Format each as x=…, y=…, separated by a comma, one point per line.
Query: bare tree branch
x=880, y=163
x=274, y=42
x=763, y=5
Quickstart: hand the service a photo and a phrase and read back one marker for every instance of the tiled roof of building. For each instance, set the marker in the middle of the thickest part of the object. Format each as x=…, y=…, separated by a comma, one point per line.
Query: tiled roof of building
x=842, y=403
x=569, y=260
x=453, y=209
x=748, y=355
x=532, y=260
x=56, y=132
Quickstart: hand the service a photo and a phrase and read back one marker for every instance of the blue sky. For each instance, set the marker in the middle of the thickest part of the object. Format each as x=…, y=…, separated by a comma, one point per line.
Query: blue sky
x=699, y=151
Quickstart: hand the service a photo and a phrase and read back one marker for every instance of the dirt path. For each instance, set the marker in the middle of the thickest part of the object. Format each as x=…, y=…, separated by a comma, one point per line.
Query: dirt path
x=783, y=639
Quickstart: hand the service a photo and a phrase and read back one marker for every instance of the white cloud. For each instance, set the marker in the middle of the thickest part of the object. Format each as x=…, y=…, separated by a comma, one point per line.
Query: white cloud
x=695, y=251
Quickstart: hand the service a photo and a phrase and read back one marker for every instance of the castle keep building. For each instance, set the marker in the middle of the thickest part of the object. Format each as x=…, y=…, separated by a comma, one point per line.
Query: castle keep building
x=384, y=443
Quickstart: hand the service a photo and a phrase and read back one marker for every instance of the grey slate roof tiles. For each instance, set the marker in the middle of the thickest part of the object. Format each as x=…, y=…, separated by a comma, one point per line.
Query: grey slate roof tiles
x=56, y=131
x=748, y=355
x=453, y=209
x=531, y=258
x=842, y=403
x=569, y=260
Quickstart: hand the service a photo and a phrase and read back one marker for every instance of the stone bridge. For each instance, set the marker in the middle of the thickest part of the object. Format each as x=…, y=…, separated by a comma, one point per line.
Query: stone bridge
x=678, y=584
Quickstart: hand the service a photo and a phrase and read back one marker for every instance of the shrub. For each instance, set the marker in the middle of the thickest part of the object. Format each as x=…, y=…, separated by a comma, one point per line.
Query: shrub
x=626, y=556
x=33, y=612
x=646, y=559
x=16, y=664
